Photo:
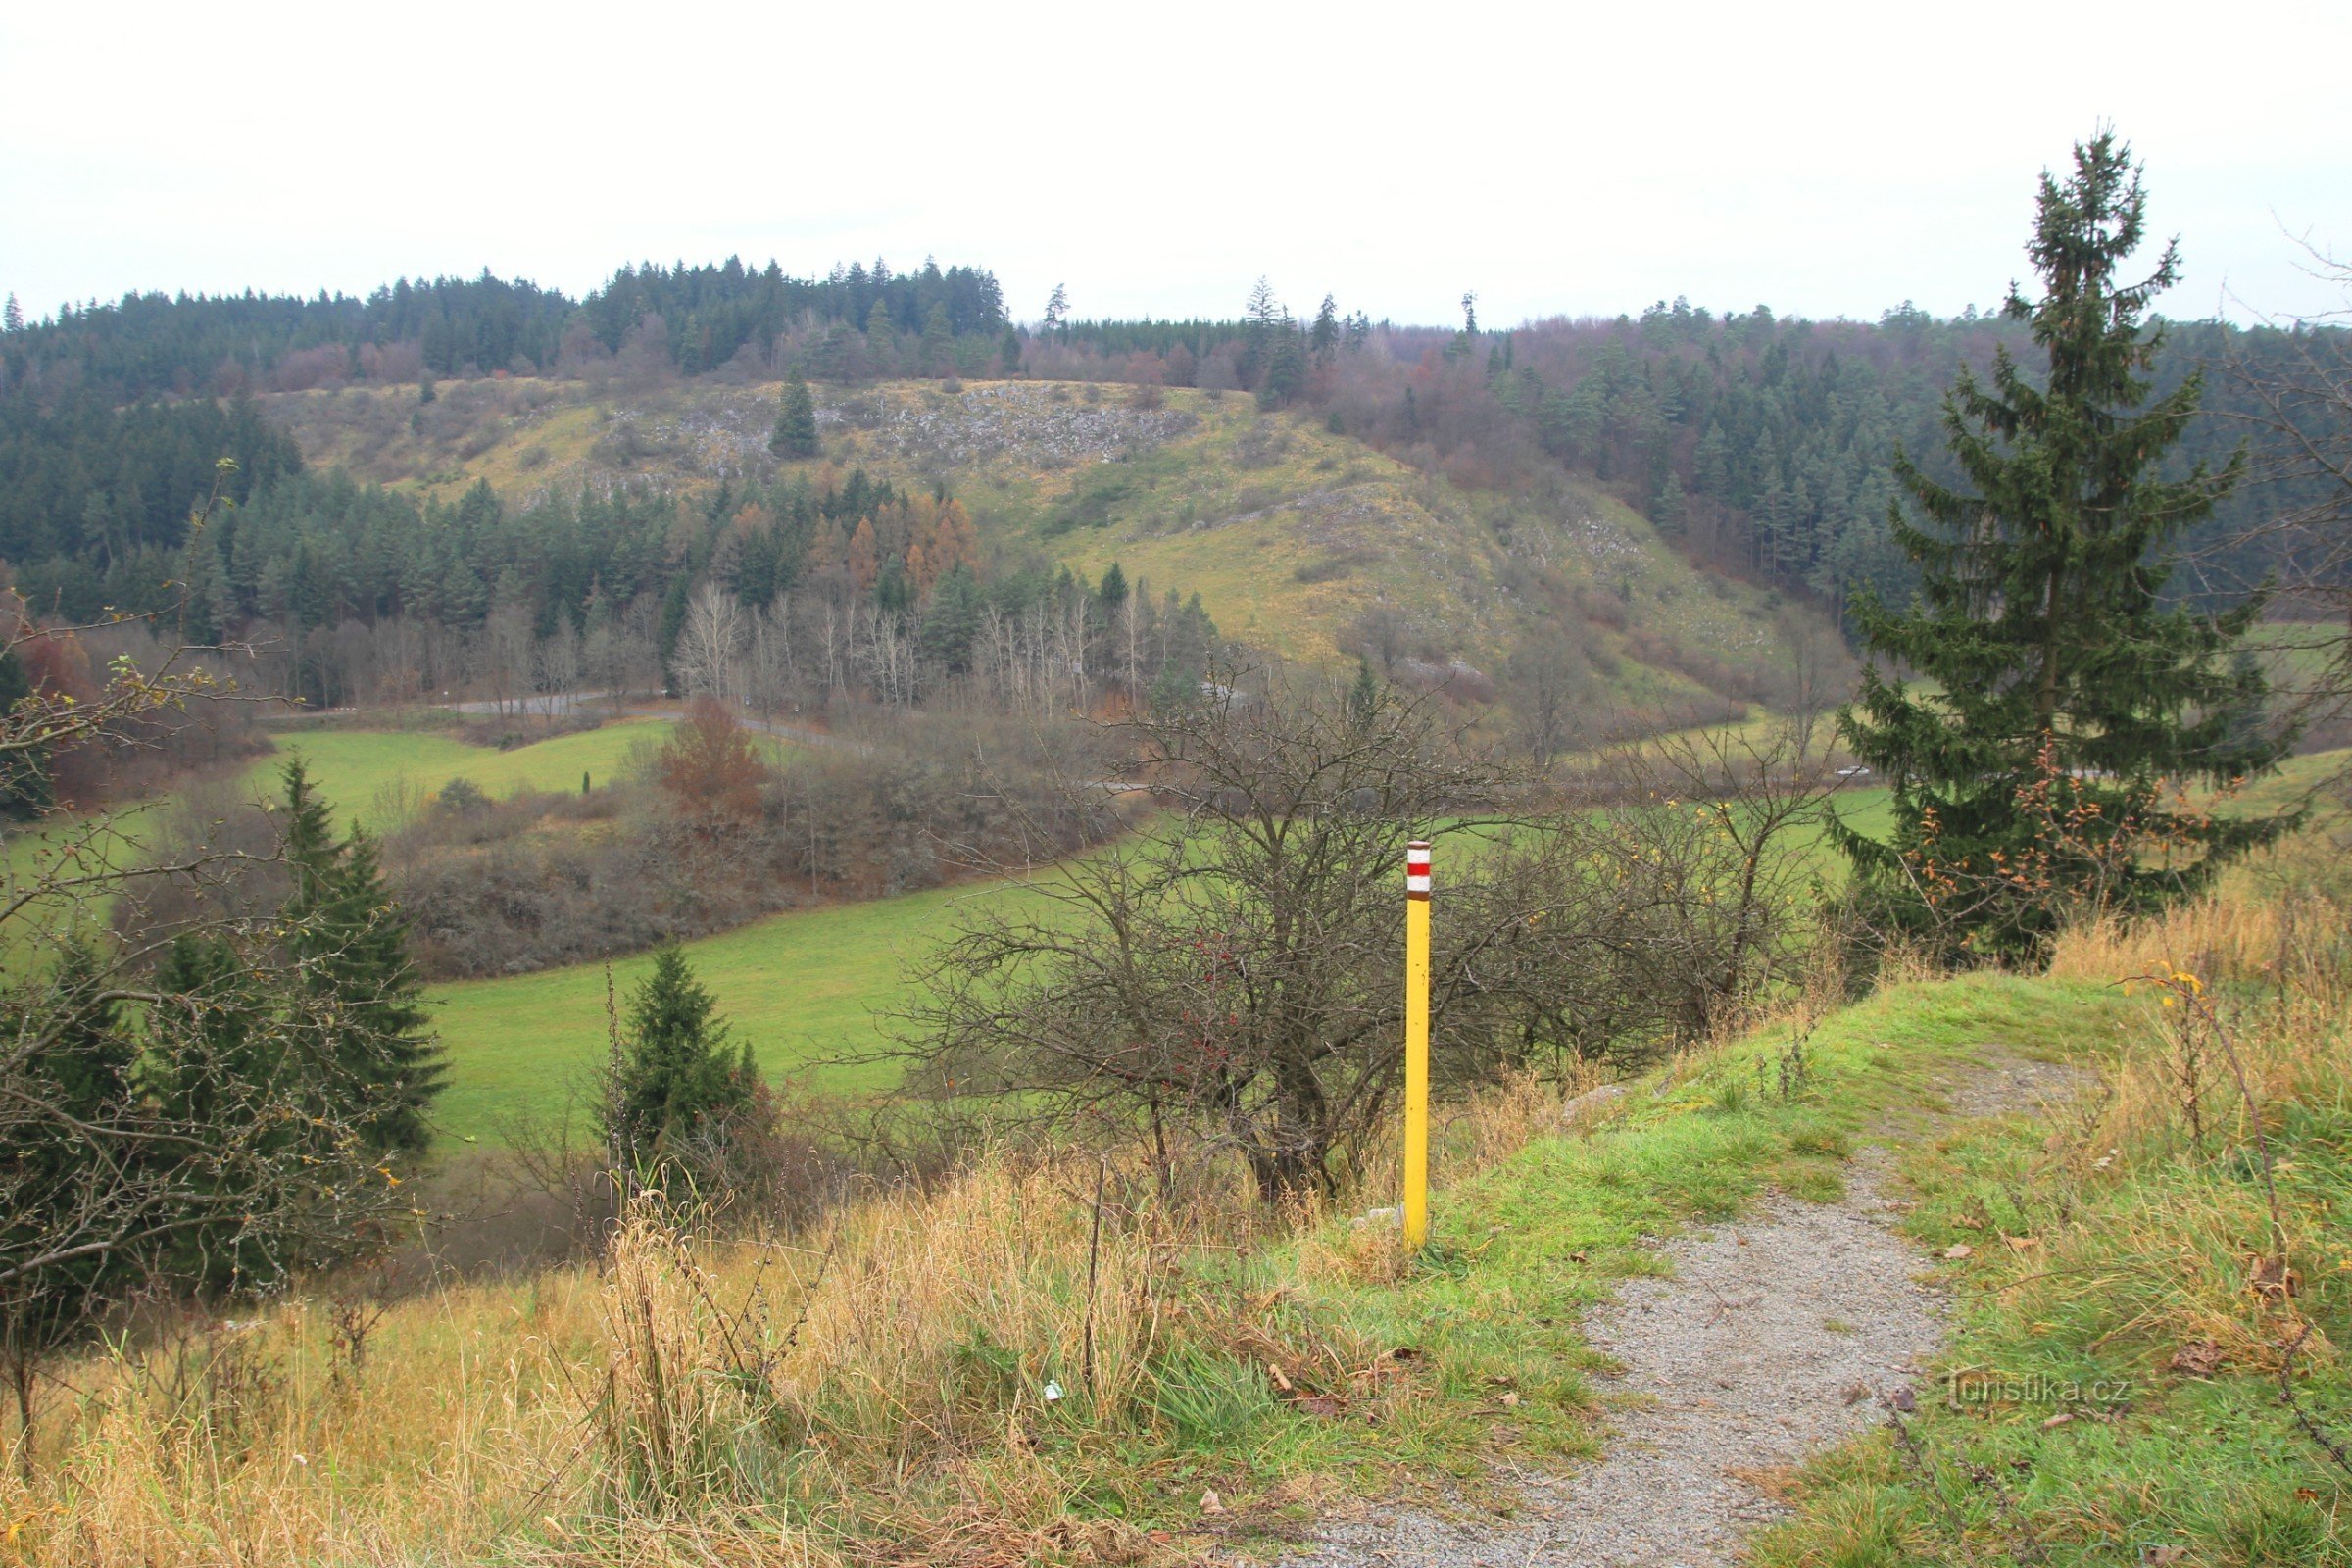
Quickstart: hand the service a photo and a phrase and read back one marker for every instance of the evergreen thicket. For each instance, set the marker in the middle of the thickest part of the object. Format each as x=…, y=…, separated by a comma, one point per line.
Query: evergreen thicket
x=2037, y=704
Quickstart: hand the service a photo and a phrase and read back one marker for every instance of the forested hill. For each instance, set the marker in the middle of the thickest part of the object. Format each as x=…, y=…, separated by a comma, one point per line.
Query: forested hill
x=1759, y=445
x=1763, y=443
x=700, y=318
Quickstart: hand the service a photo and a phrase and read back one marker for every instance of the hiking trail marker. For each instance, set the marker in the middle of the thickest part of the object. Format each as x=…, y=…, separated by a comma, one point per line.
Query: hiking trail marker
x=1416, y=1044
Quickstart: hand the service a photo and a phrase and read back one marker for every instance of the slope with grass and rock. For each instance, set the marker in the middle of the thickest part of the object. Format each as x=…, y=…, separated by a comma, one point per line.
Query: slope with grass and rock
x=1304, y=543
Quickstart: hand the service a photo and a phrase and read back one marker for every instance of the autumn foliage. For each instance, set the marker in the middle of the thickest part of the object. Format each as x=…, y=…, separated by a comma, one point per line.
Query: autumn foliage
x=709, y=766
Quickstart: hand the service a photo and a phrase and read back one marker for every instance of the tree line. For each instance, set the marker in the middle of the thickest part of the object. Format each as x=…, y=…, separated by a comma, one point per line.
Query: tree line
x=148, y=345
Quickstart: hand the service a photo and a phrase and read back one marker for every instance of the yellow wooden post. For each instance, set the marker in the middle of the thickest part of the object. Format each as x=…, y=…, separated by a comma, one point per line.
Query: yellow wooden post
x=1416, y=1044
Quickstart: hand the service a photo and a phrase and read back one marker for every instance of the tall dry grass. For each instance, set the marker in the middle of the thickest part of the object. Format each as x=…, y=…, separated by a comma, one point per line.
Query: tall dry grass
x=930, y=1375
x=2236, y=1084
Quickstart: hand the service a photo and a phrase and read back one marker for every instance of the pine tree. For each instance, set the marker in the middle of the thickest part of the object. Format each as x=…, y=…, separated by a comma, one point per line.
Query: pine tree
x=1113, y=592
x=1010, y=351
x=938, y=347
x=674, y=1074
x=352, y=941
x=794, y=435
x=2030, y=778
x=1363, y=696
x=1671, y=513
x=1467, y=338
x=13, y=320
x=1325, y=336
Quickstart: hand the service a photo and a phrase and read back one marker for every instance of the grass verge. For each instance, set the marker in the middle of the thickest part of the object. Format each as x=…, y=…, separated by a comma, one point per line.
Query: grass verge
x=2132, y=1378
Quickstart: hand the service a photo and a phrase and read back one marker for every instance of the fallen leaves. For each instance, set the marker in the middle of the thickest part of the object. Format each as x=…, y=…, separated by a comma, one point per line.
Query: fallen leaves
x=2198, y=1358
x=1958, y=1251
x=2272, y=1278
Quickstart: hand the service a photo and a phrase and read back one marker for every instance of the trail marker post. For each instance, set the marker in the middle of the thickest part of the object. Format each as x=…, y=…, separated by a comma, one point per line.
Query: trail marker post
x=1416, y=1044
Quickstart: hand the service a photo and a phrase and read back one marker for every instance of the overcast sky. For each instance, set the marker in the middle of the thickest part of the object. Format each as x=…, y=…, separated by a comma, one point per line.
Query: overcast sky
x=1558, y=159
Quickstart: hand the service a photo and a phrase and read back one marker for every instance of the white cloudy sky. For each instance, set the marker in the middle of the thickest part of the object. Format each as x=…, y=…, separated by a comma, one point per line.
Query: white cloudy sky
x=1828, y=158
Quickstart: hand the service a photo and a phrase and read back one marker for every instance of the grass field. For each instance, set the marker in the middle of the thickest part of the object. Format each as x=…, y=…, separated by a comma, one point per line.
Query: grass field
x=799, y=986
x=352, y=767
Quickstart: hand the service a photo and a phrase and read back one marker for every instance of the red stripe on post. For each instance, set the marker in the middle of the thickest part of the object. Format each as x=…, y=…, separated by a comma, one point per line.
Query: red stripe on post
x=1416, y=871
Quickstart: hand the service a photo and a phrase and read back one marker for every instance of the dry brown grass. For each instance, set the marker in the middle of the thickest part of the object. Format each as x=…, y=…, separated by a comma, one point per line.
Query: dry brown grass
x=873, y=1391
x=2248, y=1025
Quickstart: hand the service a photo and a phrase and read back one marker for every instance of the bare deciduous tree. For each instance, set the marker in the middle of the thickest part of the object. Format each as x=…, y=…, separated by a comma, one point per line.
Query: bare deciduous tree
x=1238, y=968
x=710, y=651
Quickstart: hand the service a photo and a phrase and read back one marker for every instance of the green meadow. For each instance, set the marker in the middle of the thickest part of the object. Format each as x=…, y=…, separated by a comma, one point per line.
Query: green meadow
x=354, y=768
x=802, y=988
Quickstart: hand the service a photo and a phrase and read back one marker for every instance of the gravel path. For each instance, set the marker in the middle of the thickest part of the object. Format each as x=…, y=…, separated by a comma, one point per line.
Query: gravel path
x=1774, y=1337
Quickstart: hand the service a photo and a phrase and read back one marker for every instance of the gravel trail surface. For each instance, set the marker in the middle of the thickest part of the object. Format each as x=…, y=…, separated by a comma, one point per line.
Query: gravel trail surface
x=1774, y=1337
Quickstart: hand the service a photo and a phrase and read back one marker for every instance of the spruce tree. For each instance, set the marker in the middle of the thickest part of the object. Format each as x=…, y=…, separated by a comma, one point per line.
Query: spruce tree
x=675, y=1074
x=83, y=1073
x=1325, y=335
x=377, y=1059
x=1363, y=696
x=2060, y=695
x=881, y=338
x=938, y=343
x=215, y=1060
x=24, y=772
x=795, y=434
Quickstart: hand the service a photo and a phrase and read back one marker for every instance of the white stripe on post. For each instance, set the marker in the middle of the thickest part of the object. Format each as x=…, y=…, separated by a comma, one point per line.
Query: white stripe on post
x=1416, y=869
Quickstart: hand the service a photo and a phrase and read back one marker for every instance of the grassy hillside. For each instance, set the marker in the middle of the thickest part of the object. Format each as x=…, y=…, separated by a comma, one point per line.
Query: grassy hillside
x=1290, y=534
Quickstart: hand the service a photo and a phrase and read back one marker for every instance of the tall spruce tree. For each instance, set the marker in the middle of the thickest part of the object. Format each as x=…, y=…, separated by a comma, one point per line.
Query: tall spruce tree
x=2061, y=700
x=352, y=945
x=795, y=434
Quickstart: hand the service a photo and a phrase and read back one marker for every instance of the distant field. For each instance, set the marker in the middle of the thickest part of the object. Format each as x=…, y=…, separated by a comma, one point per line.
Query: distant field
x=353, y=767
x=797, y=986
